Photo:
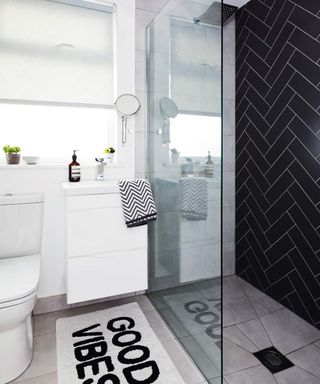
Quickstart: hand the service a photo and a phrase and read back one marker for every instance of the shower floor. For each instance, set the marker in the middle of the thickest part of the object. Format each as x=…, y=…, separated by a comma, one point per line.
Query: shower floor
x=252, y=322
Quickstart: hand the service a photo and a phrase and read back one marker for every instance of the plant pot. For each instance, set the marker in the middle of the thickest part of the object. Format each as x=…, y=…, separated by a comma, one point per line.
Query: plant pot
x=109, y=158
x=13, y=158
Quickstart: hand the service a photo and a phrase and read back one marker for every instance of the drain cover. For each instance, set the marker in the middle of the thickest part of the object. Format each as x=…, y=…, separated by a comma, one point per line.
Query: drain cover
x=274, y=360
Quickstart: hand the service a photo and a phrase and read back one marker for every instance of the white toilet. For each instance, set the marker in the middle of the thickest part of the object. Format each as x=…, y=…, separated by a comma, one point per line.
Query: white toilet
x=20, y=243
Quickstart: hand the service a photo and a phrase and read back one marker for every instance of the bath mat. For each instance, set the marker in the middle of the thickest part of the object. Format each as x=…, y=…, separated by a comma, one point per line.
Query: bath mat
x=113, y=346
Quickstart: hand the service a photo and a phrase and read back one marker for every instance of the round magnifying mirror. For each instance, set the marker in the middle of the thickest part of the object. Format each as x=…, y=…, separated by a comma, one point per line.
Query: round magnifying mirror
x=168, y=108
x=127, y=105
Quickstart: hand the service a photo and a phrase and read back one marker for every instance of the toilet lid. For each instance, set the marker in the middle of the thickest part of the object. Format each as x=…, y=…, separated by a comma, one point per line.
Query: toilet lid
x=19, y=277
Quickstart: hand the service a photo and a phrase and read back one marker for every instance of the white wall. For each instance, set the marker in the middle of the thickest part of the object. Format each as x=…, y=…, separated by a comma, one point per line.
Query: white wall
x=48, y=179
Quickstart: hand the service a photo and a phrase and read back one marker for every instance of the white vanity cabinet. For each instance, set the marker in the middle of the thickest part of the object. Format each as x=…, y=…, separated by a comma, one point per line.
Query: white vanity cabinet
x=104, y=257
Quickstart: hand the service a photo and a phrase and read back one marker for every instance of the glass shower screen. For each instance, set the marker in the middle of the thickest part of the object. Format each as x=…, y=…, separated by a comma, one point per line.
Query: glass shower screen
x=184, y=168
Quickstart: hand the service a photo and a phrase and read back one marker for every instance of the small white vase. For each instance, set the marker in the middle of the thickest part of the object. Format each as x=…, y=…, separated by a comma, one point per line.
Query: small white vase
x=109, y=158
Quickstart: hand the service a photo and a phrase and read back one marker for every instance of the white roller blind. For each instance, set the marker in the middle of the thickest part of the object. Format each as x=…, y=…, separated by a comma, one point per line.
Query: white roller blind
x=195, y=67
x=55, y=52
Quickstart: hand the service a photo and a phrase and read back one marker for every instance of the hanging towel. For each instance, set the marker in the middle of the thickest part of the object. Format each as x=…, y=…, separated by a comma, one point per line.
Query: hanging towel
x=137, y=202
x=194, y=198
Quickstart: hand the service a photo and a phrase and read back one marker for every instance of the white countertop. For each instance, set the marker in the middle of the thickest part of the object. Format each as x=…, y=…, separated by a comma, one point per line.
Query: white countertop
x=90, y=187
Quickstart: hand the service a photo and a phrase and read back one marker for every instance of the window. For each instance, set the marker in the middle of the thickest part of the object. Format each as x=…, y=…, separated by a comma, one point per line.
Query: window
x=52, y=132
x=57, y=77
x=55, y=52
x=185, y=136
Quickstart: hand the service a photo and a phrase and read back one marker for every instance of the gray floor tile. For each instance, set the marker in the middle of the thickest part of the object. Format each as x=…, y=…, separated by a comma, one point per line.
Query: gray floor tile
x=234, y=335
x=255, y=332
x=183, y=363
x=236, y=358
x=158, y=325
x=317, y=343
x=288, y=332
x=205, y=353
x=44, y=358
x=296, y=375
x=51, y=378
x=236, y=306
x=262, y=303
x=217, y=381
x=257, y=375
x=307, y=358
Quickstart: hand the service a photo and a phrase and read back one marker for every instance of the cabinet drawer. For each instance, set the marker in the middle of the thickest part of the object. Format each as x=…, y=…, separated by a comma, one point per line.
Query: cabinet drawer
x=101, y=230
x=95, y=277
x=93, y=201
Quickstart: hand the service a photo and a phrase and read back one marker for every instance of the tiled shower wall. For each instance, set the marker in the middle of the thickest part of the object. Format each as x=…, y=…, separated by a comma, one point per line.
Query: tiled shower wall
x=278, y=151
x=145, y=12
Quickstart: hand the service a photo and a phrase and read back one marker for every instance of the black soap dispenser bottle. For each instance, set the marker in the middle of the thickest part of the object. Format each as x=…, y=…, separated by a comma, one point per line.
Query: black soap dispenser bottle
x=74, y=169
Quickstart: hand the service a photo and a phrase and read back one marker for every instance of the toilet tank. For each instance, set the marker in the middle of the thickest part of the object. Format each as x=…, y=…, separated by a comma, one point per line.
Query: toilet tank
x=20, y=225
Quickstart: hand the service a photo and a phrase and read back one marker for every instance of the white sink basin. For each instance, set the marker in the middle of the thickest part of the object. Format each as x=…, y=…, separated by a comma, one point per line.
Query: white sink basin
x=90, y=188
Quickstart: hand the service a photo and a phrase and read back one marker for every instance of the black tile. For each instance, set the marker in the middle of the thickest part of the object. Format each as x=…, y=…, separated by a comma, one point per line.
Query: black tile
x=260, y=104
x=241, y=109
x=279, y=81
x=305, y=181
x=281, y=267
x=279, y=145
x=280, y=40
x=308, y=68
x=256, y=137
x=279, y=125
x=258, y=194
x=258, y=214
x=306, y=90
x=260, y=28
x=261, y=86
x=261, y=12
x=278, y=188
x=306, y=136
x=304, y=249
x=309, y=163
x=307, y=114
x=306, y=21
x=259, y=159
x=257, y=250
x=254, y=221
x=279, y=248
x=257, y=45
x=280, y=289
x=279, y=207
x=304, y=270
x=257, y=175
x=305, y=204
x=279, y=166
x=258, y=121
x=255, y=62
x=311, y=5
x=280, y=104
x=279, y=228
x=305, y=227
x=305, y=44
x=306, y=298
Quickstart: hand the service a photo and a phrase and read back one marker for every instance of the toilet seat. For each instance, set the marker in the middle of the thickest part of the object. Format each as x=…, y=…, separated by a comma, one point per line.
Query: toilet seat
x=19, y=277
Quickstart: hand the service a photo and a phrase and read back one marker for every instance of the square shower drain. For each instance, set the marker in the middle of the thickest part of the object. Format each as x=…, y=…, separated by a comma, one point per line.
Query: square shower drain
x=274, y=360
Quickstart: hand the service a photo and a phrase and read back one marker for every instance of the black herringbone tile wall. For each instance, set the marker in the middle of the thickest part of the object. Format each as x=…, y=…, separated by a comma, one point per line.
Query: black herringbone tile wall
x=278, y=151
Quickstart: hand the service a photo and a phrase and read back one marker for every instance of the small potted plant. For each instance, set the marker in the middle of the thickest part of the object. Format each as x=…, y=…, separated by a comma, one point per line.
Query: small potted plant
x=12, y=154
x=175, y=155
x=110, y=154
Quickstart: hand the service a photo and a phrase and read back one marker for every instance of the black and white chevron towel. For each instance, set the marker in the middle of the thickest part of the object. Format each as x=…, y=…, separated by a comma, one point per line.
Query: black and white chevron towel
x=194, y=198
x=137, y=202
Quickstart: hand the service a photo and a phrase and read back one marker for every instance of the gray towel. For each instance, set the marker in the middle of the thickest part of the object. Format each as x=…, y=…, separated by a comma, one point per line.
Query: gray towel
x=137, y=202
x=194, y=198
